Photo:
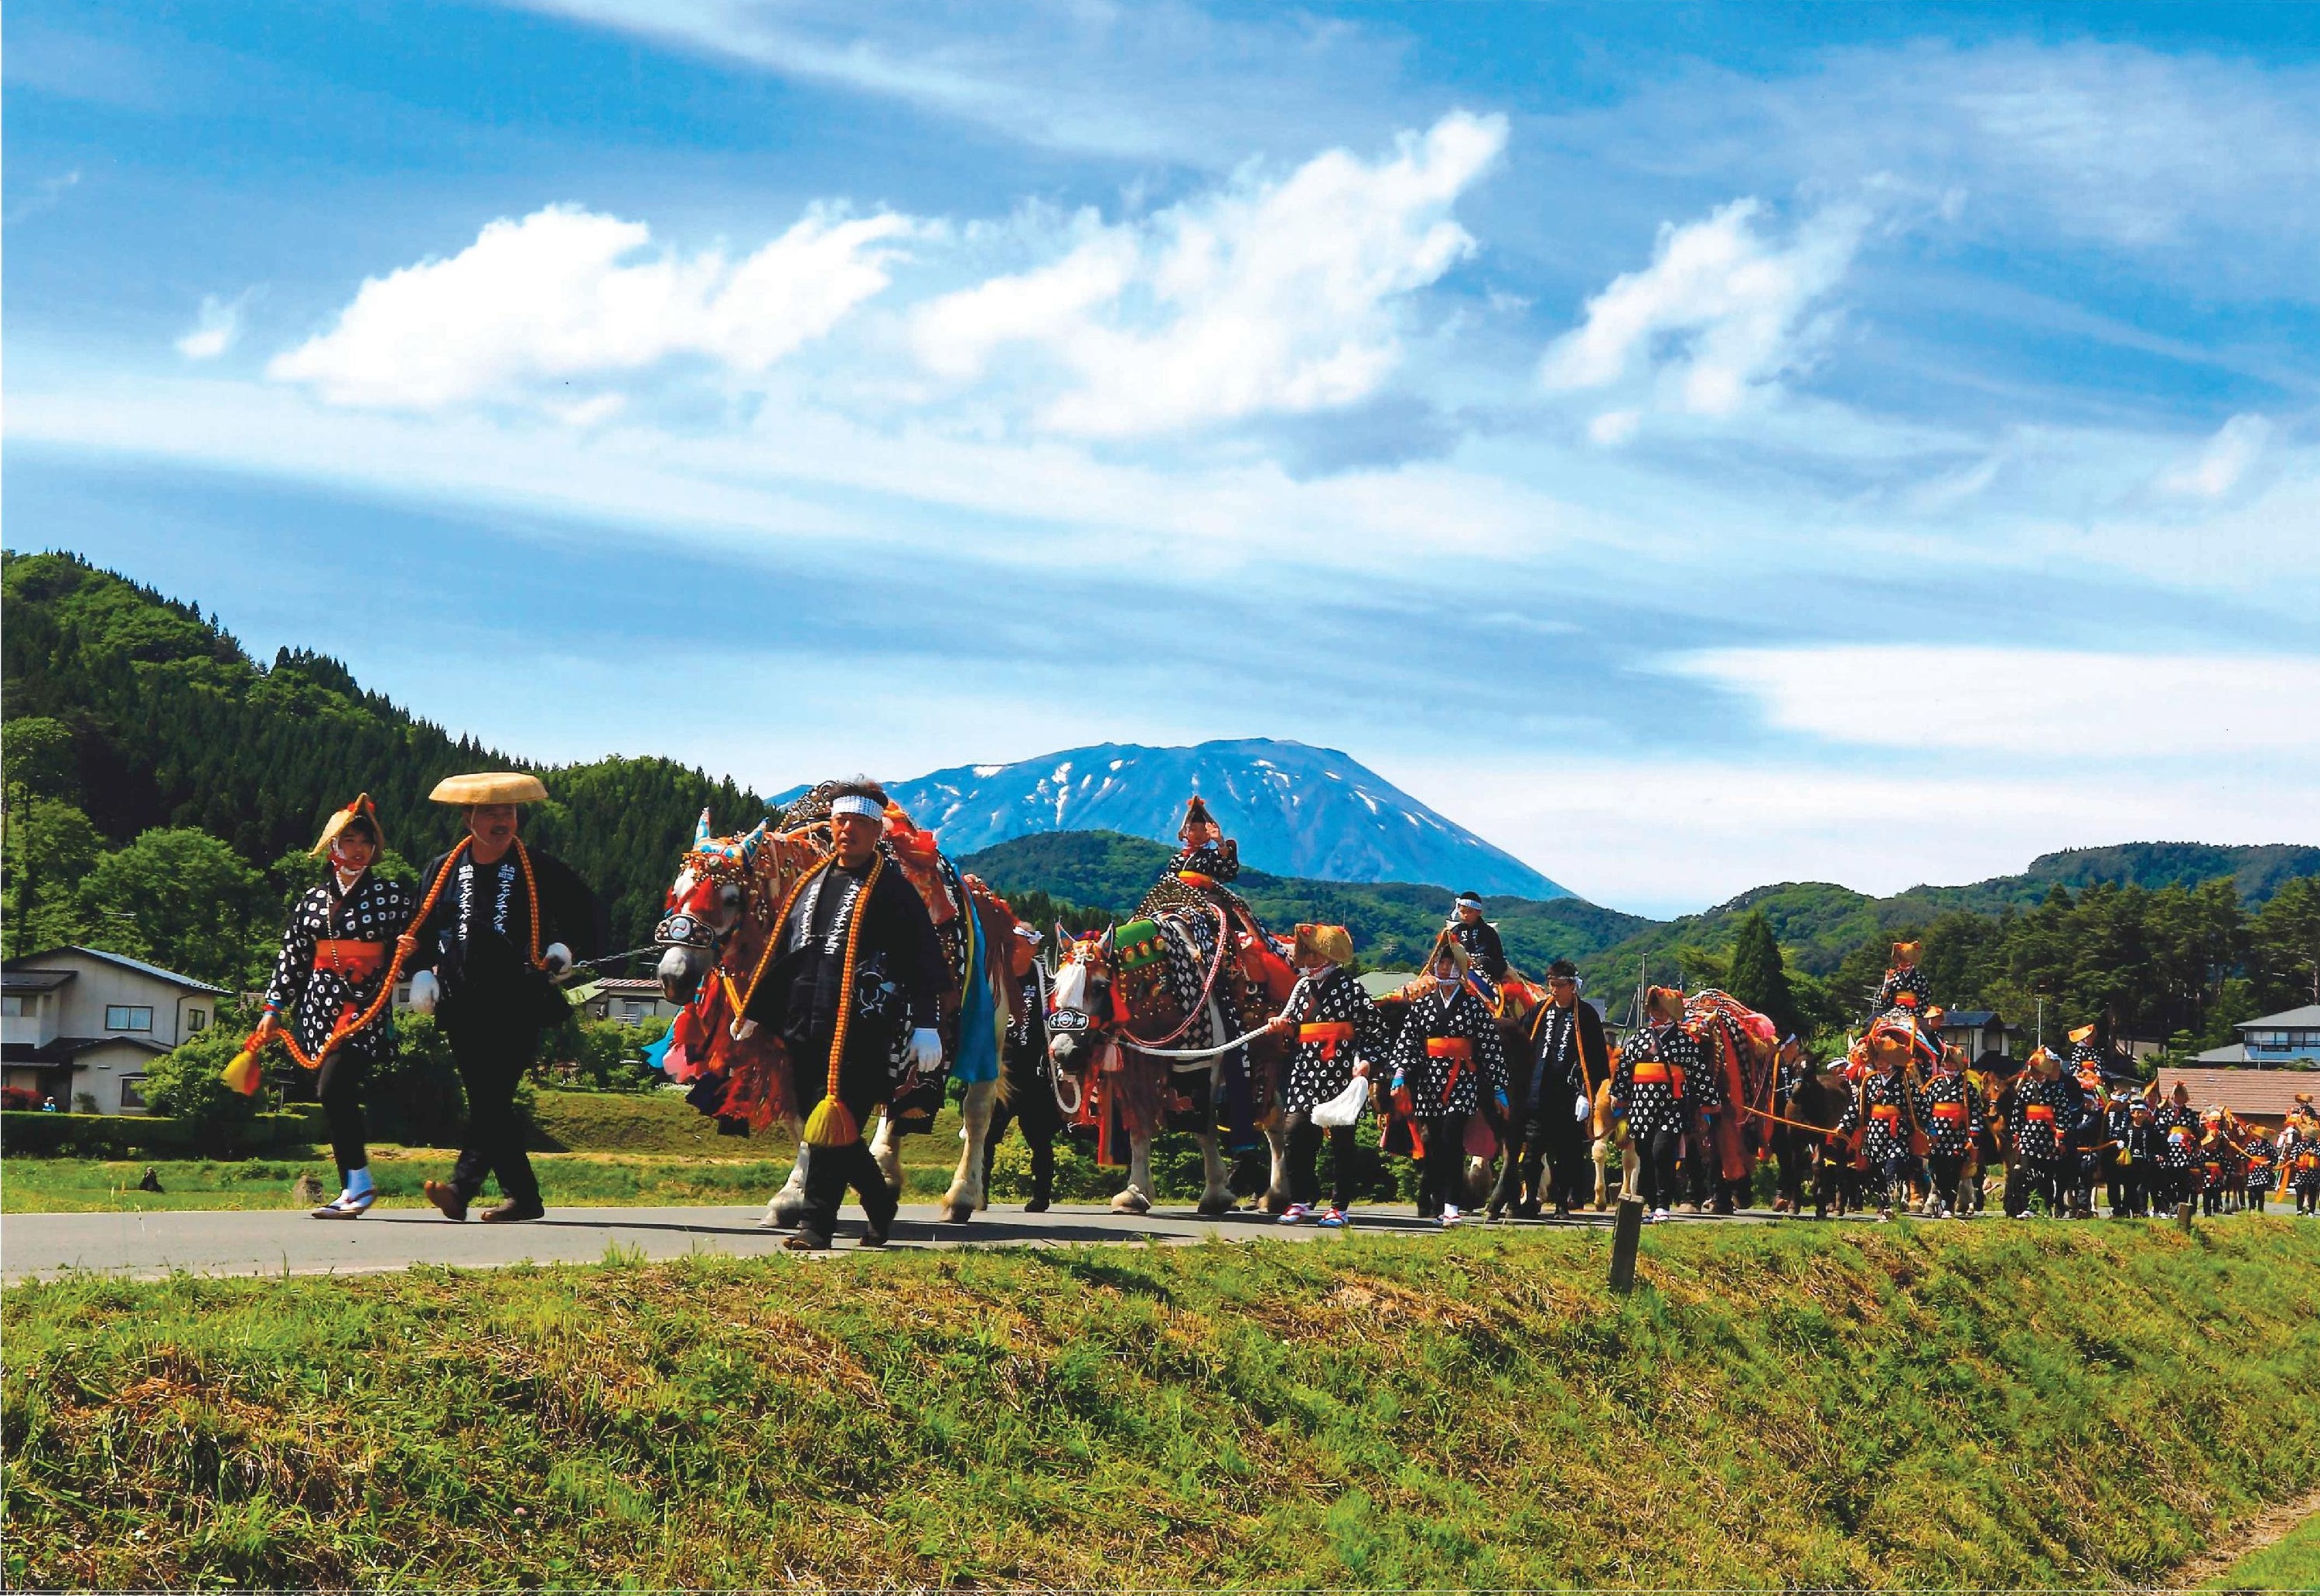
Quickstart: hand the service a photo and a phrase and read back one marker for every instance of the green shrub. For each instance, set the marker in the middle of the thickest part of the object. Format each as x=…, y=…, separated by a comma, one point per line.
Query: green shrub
x=183, y=1085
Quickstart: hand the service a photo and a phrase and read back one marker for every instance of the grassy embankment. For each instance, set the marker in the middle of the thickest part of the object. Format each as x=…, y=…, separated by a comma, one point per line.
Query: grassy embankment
x=611, y=1148
x=2292, y=1562
x=1999, y=1405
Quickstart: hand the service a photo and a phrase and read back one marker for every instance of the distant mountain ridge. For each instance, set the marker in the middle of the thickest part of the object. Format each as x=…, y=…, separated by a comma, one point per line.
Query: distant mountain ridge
x=1295, y=811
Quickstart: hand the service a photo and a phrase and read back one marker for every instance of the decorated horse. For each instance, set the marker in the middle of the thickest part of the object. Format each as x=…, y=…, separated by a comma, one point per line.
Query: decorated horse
x=725, y=906
x=1157, y=1022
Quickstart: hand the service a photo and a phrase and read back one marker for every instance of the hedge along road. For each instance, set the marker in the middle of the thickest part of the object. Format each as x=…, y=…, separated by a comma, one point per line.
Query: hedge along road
x=279, y=1242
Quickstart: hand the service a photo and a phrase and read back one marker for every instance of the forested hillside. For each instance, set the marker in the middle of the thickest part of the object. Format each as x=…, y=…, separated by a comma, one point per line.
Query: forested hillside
x=163, y=786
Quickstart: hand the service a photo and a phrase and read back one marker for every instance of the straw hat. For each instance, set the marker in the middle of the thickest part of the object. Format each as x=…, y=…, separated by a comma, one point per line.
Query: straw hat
x=489, y=786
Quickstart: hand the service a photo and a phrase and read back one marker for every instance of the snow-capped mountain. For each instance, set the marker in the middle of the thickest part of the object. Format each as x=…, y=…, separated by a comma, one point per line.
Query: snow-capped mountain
x=1296, y=811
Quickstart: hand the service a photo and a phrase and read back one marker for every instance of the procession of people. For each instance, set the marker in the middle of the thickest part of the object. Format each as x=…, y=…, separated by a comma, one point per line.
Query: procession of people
x=1513, y=1097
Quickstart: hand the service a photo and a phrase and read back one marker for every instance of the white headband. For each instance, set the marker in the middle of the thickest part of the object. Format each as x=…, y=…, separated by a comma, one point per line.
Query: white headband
x=855, y=803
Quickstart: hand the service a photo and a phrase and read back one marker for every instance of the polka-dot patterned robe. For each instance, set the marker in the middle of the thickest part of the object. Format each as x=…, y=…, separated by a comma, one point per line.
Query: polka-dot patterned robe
x=1444, y=1087
x=2038, y=1138
x=1898, y=981
x=1659, y=1106
x=1319, y=1069
x=1950, y=1113
x=1883, y=1136
x=2179, y=1136
x=376, y=910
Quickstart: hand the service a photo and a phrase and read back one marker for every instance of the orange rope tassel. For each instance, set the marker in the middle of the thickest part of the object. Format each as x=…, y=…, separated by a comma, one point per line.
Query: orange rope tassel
x=832, y=1124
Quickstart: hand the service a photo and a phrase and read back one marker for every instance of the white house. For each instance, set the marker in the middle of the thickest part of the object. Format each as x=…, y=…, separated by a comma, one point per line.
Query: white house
x=2290, y=1037
x=77, y=1022
x=1979, y=1031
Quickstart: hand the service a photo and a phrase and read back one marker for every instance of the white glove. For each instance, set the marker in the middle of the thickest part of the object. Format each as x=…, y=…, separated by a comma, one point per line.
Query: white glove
x=557, y=958
x=1580, y=1107
x=926, y=1050
x=425, y=990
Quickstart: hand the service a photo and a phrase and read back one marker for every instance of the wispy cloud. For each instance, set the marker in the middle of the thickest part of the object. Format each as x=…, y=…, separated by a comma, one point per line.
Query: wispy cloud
x=557, y=295
x=215, y=331
x=47, y=194
x=1720, y=315
x=2056, y=705
x=1276, y=297
x=2218, y=468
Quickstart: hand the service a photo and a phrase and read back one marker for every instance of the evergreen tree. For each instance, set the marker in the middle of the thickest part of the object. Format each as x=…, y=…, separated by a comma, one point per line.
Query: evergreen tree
x=1757, y=977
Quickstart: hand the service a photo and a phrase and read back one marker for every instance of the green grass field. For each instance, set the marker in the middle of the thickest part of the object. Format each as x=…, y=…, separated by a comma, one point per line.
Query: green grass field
x=621, y=1148
x=1918, y=1405
x=2289, y=1563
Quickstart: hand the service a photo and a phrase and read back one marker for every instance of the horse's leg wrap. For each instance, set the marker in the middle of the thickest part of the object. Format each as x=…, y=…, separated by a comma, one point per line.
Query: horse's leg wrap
x=884, y=1152
x=788, y=1203
x=1216, y=1195
x=1138, y=1197
x=1276, y=1142
x=966, y=1195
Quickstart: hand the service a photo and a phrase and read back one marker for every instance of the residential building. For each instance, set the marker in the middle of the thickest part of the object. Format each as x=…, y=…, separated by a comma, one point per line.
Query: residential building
x=1977, y=1032
x=2260, y=1097
x=79, y=1022
x=630, y=1001
x=2290, y=1039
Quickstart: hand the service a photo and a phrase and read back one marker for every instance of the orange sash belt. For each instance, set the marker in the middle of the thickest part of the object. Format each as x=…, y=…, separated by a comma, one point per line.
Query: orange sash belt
x=1950, y=1113
x=2038, y=1113
x=1651, y=1072
x=357, y=961
x=1194, y=878
x=1449, y=1048
x=2181, y=1138
x=1884, y=1110
x=1329, y=1033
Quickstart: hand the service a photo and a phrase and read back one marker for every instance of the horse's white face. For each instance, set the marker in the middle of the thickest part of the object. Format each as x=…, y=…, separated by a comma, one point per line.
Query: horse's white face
x=703, y=911
x=1080, y=991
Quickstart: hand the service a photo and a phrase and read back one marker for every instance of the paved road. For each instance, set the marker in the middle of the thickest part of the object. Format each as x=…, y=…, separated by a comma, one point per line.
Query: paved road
x=275, y=1241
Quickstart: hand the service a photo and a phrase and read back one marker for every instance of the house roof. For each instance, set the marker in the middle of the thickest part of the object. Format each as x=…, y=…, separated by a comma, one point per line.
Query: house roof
x=65, y=1049
x=629, y=985
x=122, y=961
x=2270, y=1092
x=35, y=980
x=2235, y=1053
x=2306, y=1018
x=1967, y=1019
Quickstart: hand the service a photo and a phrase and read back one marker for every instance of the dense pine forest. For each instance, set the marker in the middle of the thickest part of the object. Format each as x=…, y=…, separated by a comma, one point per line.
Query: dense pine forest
x=162, y=788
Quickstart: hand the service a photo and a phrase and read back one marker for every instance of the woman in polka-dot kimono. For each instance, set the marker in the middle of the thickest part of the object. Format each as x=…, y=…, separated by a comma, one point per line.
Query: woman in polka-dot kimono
x=2299, y=1154
x=336, y=950
x=1950, y=1118
x=2046, y=1104
x=1884, y=1110
x=1448, y=1054
x=1658, y=1067
x=1905, y=977
x=1334, y=1029
x=2177, y=1124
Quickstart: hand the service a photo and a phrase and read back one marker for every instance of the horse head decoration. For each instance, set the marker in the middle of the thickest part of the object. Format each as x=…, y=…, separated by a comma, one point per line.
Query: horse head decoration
x=704, y=907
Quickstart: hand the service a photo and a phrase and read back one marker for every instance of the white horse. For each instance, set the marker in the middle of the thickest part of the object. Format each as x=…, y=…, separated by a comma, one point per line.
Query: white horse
x=1086, y=1039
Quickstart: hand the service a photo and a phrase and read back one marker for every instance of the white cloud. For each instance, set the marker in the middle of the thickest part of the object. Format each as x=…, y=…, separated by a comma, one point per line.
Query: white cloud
x=1267, y=297
x=1718, y=318
x=1673, y=835
x=215, y=331
x=2012, y=703
x=2220, y=466
x=557, y=295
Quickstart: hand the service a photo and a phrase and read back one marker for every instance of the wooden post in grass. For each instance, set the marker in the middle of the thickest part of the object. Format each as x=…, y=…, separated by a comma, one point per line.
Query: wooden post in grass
x=1626, y=1232
x=2183, y=1216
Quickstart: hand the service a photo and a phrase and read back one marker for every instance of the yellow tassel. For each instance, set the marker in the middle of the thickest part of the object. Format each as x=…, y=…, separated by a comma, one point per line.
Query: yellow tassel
x=242, y=1074
x=831, y=1125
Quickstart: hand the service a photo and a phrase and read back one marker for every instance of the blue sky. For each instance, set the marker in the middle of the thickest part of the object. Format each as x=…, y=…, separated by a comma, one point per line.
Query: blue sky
x=1692, y=446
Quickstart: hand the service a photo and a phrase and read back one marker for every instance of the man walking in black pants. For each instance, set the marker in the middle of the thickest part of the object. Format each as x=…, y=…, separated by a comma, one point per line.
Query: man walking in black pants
x=1569, y=1060
x=850, y=984
x=507, y=920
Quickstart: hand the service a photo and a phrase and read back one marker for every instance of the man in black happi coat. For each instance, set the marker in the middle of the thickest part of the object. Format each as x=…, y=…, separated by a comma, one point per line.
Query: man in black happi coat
x=507, y=922
x=1569, y=1060
x=851, y=986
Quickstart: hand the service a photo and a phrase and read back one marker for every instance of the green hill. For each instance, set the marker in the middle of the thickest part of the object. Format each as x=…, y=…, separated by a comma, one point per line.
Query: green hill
x=1393, y=923
x=138, y=711
x=1800, y=1407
